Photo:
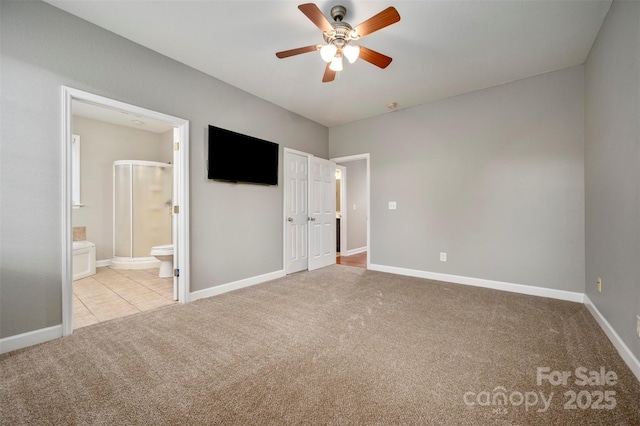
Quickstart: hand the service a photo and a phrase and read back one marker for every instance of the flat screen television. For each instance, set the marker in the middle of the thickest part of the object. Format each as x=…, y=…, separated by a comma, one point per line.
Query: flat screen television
x=234, y=157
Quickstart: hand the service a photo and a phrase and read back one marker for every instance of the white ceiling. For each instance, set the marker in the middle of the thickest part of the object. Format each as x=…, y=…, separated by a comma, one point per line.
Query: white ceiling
x=439, y=48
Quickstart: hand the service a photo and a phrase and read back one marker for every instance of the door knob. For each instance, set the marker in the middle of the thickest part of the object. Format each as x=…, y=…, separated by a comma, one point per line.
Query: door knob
x=290, y=219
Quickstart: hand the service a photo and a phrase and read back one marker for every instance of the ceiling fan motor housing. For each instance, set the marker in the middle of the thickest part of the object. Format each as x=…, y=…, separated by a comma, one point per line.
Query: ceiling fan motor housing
x=341, y=35
x=342, y=32
x=338, y=13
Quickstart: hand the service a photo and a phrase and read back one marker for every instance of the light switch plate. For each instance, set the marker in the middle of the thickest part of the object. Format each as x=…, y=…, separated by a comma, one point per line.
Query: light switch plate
x=443, y=257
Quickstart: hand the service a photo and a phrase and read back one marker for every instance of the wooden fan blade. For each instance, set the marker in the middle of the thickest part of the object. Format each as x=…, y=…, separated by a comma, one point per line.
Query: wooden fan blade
x=375, y=58
x=315, y=15
x=329, y=75
x=298, y=51
x=377, y=22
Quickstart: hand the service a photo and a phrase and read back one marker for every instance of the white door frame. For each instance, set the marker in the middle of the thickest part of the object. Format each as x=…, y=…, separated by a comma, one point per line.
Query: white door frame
x=180, y=179
x=367, y=157
x=343, y=207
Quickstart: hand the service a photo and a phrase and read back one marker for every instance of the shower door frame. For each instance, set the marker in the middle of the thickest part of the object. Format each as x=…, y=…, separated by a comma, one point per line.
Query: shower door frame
x=180, y=218
x=131, y=198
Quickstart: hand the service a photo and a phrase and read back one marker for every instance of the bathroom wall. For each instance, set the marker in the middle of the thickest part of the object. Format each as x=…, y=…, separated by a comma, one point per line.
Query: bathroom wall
x=100, y=145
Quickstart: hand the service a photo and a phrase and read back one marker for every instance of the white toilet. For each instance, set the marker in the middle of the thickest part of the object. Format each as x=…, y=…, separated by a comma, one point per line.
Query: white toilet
x=165, y=255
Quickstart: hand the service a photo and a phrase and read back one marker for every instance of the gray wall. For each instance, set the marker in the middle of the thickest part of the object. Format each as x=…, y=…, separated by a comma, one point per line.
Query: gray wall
x=236, y=229
x=495, y=178
x=100, y=145
x=612, y=170
x=356, y=194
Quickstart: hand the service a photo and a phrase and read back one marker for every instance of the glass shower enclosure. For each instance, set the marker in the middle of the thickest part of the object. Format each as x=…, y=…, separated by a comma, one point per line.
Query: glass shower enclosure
x=141, y=212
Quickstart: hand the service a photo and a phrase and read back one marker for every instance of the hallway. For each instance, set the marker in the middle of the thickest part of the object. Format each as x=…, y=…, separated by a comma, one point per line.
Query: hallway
x=357, y=260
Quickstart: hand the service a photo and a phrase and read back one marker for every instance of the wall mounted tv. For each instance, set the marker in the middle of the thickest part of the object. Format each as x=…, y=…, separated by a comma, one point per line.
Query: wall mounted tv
x=234, y=157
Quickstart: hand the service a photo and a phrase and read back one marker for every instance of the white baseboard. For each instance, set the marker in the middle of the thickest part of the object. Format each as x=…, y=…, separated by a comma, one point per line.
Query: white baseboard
x=30, y=338
x=354, y=251
x=101, y=263
x=478, y=282
x=224, y=288
x=624, y=351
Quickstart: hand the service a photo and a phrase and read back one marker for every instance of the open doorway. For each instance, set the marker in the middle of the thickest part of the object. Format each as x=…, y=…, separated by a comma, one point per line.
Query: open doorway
x=354, y=210
x=164, y=194
x=341, y=210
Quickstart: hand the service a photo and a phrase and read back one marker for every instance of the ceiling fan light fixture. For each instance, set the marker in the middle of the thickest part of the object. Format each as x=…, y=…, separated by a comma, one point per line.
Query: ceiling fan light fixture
x=351, y=53
x=339, y=34
x=336, y=64
x=327, y=52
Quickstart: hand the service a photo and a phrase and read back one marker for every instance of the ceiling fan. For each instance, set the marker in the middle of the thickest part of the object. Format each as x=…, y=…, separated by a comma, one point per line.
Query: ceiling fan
x=339, y=34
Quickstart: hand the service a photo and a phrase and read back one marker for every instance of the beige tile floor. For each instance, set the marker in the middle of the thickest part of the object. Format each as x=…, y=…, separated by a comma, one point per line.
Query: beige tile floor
x=115, y=293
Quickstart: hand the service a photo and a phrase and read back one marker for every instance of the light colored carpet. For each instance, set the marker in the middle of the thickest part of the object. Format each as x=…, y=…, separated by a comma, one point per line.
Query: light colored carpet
x=339, y=345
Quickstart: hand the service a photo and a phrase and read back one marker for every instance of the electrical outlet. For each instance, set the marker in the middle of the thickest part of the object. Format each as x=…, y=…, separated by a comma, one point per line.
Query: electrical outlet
x=638, y=326
x=443, y=257
x=392, y=205
x=599, y=283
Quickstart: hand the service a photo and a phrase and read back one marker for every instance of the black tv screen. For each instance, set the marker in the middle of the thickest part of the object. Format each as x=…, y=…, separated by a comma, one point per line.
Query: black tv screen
x=234, y=157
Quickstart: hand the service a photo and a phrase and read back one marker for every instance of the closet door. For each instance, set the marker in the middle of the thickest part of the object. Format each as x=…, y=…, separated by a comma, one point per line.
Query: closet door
x=322, y=213
x=296, y=175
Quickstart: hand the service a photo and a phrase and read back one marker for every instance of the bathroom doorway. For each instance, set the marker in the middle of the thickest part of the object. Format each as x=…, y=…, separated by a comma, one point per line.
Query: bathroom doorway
x=81, y=109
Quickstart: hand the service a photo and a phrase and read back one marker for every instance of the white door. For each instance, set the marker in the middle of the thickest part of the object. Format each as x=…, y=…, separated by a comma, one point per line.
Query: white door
x=322, y=207
x=174, y=216
x=296, y=172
